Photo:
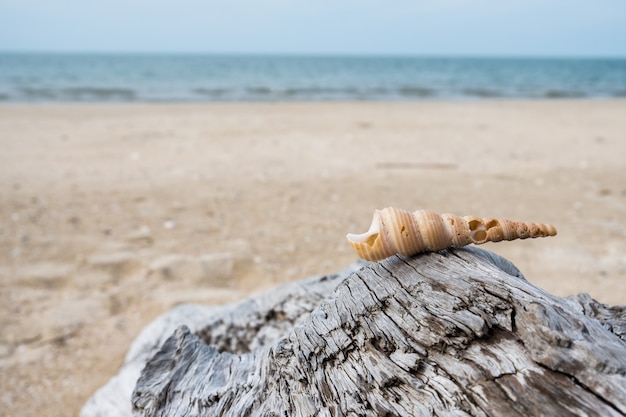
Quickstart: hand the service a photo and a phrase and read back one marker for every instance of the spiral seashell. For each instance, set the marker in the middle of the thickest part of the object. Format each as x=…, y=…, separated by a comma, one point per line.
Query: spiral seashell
x=394, y=231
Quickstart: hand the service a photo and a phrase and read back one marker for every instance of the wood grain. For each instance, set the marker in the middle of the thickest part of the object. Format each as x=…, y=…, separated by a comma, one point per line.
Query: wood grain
x=460, y=332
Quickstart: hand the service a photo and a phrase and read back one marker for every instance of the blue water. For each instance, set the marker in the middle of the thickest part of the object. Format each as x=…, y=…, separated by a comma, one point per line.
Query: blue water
x=148, y=78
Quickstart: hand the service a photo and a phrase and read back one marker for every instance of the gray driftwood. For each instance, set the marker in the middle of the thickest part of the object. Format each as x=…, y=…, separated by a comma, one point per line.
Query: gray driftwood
x=459, y=332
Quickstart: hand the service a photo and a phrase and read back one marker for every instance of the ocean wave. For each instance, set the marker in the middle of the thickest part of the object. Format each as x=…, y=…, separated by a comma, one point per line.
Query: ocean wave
x=77, y=94
x=210, y=92
x=564, y=94
x=314, y=93
x=482, y=92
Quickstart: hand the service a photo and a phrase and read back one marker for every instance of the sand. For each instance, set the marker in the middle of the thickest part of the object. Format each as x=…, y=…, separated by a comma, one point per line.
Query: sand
x=112, y=214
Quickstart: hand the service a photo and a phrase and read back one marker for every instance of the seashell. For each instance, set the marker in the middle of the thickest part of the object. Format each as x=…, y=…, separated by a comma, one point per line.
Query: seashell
x=394, y=231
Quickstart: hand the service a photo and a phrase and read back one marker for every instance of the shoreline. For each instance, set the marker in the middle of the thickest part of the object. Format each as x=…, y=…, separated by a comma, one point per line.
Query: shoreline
x=96, y=198
x=314, y=102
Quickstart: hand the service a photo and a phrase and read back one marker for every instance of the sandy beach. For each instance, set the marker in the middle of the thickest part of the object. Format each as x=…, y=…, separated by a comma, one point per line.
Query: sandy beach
x=112, y=214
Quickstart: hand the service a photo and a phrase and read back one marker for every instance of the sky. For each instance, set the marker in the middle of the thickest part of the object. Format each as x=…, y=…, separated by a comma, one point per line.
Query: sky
x=394, y=27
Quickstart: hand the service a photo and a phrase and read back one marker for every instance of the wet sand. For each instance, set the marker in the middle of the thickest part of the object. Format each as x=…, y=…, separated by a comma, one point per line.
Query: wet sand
x=112, y=214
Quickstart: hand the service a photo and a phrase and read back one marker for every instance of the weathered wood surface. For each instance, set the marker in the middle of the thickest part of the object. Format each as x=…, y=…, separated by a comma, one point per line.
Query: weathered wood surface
x=459, y=332
x=243, y=326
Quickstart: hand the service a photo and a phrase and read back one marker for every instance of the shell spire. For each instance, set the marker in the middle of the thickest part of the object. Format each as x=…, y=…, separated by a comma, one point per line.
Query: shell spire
x=395, y=231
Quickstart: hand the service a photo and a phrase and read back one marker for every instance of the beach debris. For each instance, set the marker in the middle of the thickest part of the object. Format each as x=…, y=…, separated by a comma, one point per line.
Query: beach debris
x=45, y=275
x=141, y=236
x=117, y=265
x=212, y=269
x=395, y=231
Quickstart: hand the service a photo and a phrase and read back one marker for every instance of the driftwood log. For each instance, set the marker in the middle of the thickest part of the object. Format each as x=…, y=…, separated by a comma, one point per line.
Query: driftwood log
x=454, y=333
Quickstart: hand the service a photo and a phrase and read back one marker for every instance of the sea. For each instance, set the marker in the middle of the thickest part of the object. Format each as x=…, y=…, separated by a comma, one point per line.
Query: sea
x=51, y=78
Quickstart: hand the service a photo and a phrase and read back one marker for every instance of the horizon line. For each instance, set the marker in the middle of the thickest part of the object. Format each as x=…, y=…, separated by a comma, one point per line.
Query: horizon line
x=287, y=54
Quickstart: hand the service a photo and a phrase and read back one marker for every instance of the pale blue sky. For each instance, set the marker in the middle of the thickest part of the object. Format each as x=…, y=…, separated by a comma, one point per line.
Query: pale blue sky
x=435, y=27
